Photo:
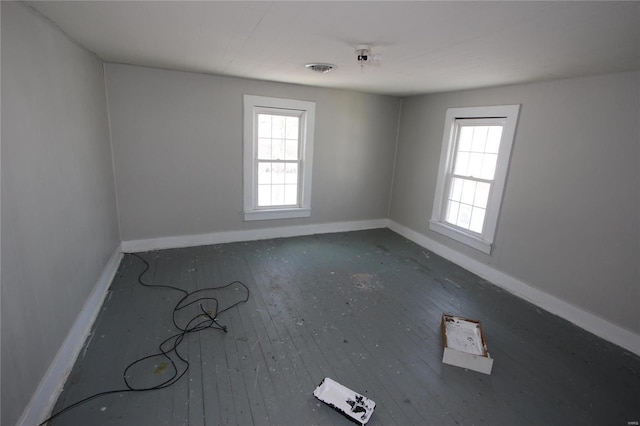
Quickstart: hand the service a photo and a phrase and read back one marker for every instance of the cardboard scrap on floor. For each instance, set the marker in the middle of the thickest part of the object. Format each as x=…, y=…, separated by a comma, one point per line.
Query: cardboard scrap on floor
x=353, y=405
x=464, y=344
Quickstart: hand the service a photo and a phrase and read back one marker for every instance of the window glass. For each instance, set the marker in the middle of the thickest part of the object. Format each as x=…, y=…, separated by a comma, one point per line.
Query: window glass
x=278, y=179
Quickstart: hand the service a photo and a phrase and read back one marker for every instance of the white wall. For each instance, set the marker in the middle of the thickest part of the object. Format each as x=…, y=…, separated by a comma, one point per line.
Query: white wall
x=569, y=224
x=177, y=143
x=59, y=222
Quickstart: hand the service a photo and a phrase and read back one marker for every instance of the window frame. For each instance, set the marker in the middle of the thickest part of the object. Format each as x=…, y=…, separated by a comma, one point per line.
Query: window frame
x=480, y=241
x=254, y=105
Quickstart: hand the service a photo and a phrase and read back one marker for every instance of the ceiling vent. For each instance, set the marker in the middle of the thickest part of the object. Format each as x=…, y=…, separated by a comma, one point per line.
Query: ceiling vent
x=321, y=68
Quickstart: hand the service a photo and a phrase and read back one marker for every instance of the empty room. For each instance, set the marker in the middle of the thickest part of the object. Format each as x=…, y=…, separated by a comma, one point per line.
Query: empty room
x=320, y=213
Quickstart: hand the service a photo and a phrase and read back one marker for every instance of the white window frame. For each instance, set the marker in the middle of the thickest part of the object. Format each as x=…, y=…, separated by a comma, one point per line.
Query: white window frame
x=306, y=110
x=480, y=241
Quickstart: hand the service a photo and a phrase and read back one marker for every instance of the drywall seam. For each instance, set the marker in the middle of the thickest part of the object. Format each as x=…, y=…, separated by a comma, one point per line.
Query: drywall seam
x=583, y=319
x=50, y=386
x=249, y=235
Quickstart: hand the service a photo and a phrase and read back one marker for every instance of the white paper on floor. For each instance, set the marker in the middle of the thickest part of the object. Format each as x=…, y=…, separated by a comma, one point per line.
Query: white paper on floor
x=344, y=400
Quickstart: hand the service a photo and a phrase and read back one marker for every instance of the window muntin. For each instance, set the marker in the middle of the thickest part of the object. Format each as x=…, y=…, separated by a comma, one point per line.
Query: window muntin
x=473, y=167
x=278, y=153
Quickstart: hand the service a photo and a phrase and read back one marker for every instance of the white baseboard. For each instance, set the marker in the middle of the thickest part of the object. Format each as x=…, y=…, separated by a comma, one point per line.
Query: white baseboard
x=44, y=398
x=249, y=235
x=584, y=319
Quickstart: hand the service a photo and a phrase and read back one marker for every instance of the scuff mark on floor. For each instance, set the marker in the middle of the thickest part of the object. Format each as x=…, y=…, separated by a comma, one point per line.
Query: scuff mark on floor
x=86, y=346
x=453, y=282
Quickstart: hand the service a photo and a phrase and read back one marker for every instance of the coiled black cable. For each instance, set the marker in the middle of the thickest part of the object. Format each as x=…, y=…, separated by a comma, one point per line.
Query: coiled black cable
x=204, y=320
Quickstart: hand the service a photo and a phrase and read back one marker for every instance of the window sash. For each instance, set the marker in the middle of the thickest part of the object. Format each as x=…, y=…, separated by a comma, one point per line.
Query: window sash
x=259, y=204
x=464, y=208
x=475, y=208
x=284, y=184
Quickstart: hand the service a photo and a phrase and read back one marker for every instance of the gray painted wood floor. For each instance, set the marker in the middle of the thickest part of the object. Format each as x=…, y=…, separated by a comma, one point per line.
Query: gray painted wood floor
x=363, y=308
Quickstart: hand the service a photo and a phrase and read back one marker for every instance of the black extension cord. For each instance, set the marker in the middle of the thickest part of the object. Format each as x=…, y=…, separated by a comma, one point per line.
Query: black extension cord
x=202, y=321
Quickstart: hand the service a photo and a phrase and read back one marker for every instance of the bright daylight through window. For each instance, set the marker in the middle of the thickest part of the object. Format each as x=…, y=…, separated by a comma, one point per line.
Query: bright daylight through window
x=278, y=139
x=473, y=168
x=278, y=160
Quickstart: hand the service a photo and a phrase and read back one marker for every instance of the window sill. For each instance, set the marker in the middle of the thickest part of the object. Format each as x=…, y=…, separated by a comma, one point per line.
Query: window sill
x=462, y=237
x=268, y=214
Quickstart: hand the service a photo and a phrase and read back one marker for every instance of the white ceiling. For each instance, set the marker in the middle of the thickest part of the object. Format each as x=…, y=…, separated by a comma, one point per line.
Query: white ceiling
x=426, y=46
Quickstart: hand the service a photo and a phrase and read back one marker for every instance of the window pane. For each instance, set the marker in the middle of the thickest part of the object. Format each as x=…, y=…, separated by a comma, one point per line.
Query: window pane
x=493, y=139
x=456, y=189
x=479, y=138
x=277, y=173
x=452, y=212
x=464, y=216
x=264, y=173
x=464, y=141
x=291, y=195
x=475, y=164
x=277, y=126
x=291, y=174
x=264, y=126
x=291, y=131
x=264, y=149
x=291, y=149
x=264, y=195
x=477, y=220
x=482, y=194
x=277, y=149
x=468, y=191
x=489, y=166
x=462, y=163
x=277, y=195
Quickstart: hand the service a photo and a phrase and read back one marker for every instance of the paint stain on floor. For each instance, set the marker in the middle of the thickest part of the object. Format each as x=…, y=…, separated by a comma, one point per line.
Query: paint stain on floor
x=160, y=368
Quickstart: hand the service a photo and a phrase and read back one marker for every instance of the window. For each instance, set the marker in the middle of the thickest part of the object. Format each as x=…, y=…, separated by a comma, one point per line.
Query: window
x=474, y=160
x=278, y=150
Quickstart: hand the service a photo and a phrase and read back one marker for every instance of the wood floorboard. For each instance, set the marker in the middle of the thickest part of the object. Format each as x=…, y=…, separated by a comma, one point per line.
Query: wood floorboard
x=523, y=355
x=383, y=322
x=446, y=306
x=215, y=370
x=348, y=339
x=384, y=310
x=334, y=349
x=401, y=334
x=551, y=381
x=240, y=394
x=363, y=308
x=278, y=370
x=276, y=389
x=296, y=388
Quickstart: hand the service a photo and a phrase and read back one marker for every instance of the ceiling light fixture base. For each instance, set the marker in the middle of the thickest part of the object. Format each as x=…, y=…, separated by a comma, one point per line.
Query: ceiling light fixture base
x=365, y=57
